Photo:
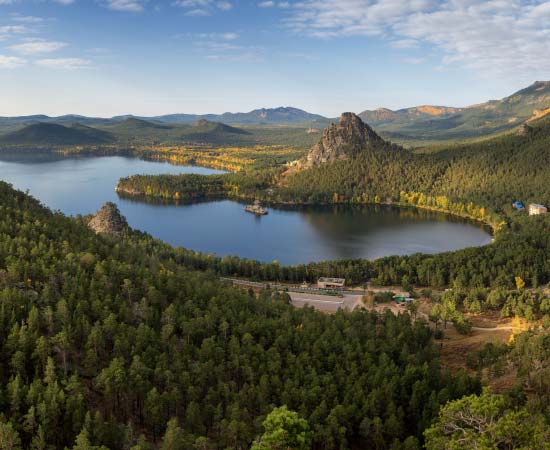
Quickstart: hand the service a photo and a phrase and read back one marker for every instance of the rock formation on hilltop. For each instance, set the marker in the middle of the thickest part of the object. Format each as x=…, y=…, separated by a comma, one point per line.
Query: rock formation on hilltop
x=108, y=220
x=342, y=140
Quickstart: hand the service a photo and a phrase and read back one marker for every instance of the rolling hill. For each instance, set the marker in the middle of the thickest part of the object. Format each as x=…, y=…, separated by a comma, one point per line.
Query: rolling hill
x=55, y=134
x=136, y=130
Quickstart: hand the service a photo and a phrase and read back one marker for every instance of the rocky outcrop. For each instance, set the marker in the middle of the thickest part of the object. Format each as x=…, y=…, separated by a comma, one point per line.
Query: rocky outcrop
x=525, y=130
x=202, y=123
x=108, y=220
x=341, y=141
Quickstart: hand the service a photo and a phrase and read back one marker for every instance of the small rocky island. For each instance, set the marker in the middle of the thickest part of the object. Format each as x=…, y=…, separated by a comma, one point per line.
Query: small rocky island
x=256, y=208
x=108, y=220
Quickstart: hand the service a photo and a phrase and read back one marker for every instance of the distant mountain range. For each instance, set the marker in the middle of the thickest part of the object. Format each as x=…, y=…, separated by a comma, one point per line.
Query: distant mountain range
x=420, y=123
x=443, y=123
x=283, y=115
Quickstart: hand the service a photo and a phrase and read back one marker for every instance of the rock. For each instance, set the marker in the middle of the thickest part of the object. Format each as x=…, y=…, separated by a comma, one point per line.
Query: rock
x=525, y=130
x=108, y=220
x=201, y=123
x=342, y=140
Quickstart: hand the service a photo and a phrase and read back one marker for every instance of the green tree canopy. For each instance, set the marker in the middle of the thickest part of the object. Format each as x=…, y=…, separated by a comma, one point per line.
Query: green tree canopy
x=284, y=430
x=487, y=422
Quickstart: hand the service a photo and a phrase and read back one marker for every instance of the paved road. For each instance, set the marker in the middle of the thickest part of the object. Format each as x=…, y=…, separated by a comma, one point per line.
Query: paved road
x=325, y=303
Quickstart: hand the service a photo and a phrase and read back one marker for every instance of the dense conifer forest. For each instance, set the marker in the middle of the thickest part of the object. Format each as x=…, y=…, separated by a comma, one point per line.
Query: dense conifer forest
x=116, y=343
x=113, y=342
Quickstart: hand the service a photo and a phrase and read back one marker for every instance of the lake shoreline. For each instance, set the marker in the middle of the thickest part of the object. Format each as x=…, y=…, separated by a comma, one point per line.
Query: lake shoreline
x=292, y=234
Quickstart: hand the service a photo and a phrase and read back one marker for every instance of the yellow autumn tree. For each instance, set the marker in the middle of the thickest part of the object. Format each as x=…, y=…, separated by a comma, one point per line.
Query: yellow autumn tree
x=520, y=284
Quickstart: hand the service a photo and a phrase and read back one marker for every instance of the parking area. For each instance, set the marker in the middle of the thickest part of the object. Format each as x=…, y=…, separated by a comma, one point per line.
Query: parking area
x=326, y=303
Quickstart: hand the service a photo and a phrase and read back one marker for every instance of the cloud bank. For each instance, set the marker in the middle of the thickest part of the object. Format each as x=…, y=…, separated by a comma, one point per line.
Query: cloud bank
x=495, y=37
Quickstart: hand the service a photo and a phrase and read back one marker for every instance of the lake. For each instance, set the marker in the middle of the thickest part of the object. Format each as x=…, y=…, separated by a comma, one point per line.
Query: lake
x=288, y=235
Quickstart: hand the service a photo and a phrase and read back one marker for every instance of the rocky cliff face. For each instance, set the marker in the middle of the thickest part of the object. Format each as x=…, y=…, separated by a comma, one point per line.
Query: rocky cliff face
x=108, y=220
x=342, y=140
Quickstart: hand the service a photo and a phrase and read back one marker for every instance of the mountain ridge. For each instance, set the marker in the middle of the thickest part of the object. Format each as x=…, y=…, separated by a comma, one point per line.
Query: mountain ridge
x=417, y=123
x=430, y=122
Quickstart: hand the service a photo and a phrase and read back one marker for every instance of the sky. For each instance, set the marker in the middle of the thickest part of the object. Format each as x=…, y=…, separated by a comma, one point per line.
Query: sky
x=153, y=57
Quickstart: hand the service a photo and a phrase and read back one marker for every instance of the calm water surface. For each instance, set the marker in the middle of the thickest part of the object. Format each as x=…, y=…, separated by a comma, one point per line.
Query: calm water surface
x=291, y=236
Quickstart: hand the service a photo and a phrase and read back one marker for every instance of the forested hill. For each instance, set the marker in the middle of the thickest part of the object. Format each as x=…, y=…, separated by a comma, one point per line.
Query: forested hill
x=475, y=180
x=54, y=134
x=108, y=341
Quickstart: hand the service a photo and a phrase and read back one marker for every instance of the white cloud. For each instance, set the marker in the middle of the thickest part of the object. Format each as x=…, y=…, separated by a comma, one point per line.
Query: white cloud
x=13, y=29
x=225, y=47
x=272, y=4
x=197, y=12
x=64, y=2
x=229, y=36
x=508, y=38
x=203, y=7
x=11, y=62
x=8, y=31
x=26, y=19
x=64, y=63
x=126, y=5
x=37, y=46
x=224, y=6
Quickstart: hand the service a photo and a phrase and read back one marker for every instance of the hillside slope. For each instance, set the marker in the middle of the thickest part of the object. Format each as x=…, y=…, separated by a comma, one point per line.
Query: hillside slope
x=489, y=174
x=444, y=123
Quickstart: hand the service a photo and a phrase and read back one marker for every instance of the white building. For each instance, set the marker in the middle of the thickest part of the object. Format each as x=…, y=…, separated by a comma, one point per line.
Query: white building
x=325, y=283
x=536, y=209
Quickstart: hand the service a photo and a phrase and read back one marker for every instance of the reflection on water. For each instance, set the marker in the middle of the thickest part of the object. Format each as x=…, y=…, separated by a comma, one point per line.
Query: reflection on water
x=289, y=235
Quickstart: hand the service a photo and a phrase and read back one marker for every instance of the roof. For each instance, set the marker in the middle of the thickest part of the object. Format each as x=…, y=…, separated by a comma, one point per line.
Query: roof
x=332, y=280
x=536, y=205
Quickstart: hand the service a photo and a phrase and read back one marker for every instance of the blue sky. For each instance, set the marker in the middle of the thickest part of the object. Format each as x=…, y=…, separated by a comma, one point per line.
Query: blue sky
x=151, y=57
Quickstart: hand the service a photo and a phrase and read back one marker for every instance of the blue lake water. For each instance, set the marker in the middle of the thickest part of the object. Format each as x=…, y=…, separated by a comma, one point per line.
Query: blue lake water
x=290, y=236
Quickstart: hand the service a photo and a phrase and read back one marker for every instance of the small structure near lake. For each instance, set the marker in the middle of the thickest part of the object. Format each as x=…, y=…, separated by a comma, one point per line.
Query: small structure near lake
x=256, y=208
x=331, y=283
x=518, y=205
x=536, y=209
x=403, y=299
